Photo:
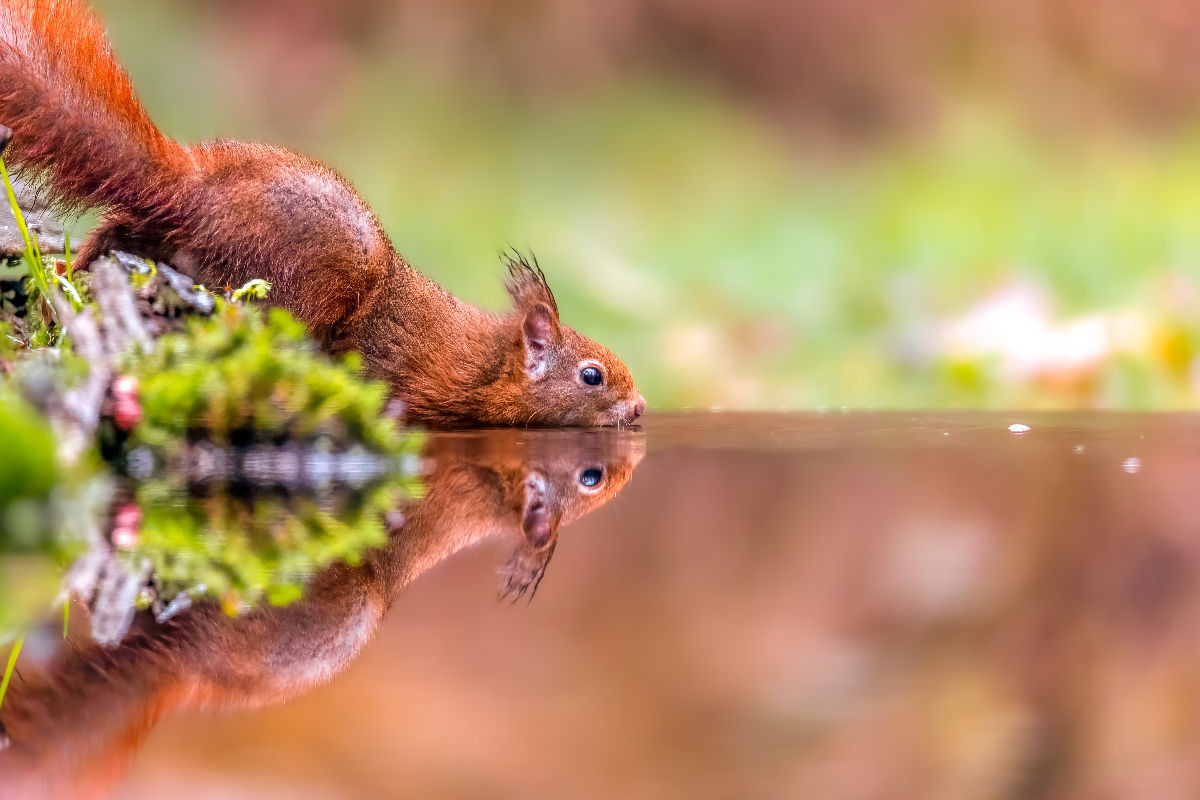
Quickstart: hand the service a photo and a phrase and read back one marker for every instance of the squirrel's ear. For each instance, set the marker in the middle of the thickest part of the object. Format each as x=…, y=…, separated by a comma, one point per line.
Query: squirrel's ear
x=539, y=330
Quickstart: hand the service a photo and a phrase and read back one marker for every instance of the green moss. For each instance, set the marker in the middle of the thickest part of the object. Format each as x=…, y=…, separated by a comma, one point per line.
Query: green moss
x=29, y=473
x=244, y=550
x=244, y=377
x=241, y=377
x=8, y=347
x=243, y=372
x=46, y=507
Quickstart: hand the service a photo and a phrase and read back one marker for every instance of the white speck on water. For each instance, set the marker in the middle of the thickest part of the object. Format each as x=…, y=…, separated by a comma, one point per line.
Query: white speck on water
x=1018, y=428
x=945, y=433
x=1079, y=449
x=1131, y=465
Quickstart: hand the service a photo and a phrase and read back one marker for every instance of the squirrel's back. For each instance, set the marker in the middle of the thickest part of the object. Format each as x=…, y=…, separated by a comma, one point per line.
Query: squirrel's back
x=77, y=123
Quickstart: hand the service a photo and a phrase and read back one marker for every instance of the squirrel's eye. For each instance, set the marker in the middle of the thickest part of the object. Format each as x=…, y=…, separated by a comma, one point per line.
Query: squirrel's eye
x=591, y=476
x=591, y=376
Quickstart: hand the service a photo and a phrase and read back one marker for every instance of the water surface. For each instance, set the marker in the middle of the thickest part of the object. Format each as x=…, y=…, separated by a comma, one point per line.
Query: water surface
x=849, y=605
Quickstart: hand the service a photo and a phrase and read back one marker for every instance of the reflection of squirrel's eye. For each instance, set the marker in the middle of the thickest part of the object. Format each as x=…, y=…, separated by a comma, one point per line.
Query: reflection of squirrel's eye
x=591, y=376
x=591, y=476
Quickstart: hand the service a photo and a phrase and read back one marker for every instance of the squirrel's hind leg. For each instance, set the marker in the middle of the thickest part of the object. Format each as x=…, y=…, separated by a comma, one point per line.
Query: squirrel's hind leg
x=116, y=233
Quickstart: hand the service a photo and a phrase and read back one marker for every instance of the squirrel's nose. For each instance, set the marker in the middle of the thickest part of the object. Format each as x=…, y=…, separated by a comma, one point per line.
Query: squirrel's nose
x=639, y=407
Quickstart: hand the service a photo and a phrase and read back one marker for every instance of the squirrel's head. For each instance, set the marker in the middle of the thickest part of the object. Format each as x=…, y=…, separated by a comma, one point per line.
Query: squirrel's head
x=562, y=377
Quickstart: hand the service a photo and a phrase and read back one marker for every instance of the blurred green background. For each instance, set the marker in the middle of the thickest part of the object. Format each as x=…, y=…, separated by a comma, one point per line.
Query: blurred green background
x=757, y=203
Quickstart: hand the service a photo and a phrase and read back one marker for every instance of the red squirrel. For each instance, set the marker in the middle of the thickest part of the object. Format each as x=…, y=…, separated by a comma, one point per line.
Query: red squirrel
x=74, y=726
x=226, y=212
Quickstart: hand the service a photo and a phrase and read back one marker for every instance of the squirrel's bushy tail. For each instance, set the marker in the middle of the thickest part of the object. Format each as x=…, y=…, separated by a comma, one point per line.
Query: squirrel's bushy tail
x=78, y=128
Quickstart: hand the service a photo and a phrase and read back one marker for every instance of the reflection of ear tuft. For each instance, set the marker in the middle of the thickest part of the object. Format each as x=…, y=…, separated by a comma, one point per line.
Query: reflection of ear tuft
x=524, y=570
x=526, y=282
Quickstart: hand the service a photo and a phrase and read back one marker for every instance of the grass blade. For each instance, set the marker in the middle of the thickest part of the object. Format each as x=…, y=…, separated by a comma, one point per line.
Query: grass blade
x=32, y=256
x=12, y=663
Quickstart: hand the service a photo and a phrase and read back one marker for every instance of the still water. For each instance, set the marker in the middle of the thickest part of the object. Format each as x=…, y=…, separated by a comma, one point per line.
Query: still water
x=723, y=606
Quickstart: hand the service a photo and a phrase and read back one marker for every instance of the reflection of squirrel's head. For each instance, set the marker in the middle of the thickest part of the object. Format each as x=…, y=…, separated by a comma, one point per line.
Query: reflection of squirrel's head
x=526, y=484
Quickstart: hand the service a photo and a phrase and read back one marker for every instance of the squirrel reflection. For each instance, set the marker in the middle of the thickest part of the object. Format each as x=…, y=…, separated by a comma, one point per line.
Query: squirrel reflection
x=74, y=726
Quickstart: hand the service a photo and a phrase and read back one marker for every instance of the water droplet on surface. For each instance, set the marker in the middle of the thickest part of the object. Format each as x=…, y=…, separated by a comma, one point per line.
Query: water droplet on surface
x=1131, y=465
x=1018, y=428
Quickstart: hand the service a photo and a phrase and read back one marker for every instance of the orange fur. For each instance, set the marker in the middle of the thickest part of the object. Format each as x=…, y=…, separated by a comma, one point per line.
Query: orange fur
x=226, y=212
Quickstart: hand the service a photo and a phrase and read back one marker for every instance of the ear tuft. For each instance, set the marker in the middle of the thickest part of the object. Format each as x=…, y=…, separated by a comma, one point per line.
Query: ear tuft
x=526, y=281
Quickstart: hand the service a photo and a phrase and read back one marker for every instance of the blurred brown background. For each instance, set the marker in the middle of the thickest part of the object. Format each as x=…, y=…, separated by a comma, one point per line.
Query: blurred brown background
x=859, y=67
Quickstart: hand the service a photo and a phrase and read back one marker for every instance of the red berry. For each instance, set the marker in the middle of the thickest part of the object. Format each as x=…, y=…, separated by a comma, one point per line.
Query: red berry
x=127, y=412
